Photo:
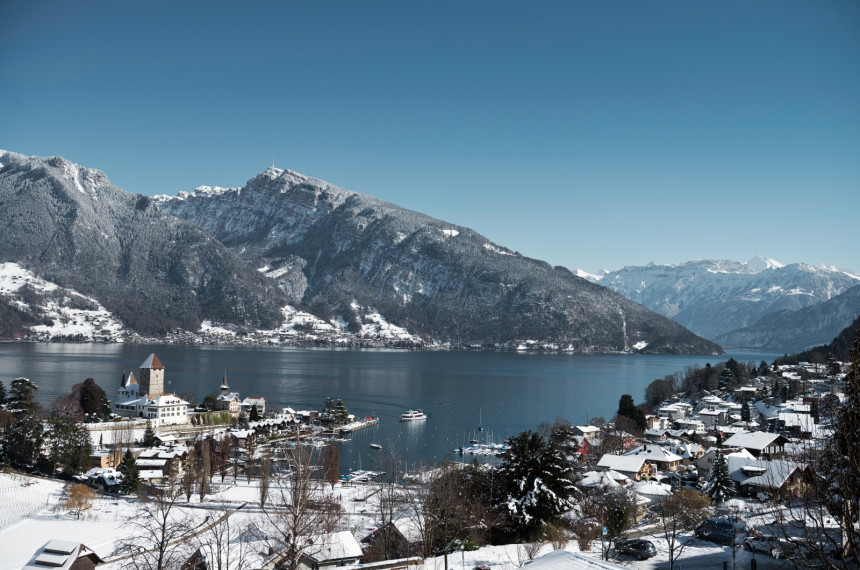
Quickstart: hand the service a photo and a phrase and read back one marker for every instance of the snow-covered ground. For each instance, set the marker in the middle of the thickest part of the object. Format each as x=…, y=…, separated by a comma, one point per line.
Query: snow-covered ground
x=32, y=515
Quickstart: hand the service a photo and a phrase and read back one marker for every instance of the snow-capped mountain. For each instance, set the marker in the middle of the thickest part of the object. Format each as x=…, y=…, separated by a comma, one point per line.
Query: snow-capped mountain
x=715, y=297
x=70, y=227
x=795, y=331
x=334, y=250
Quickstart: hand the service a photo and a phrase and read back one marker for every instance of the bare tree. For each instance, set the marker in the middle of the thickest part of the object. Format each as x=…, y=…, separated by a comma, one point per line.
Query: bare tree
x=221, y=544
x=159, y=532
x=300, y=515
x=189, y=473
x=265, y=478
x=79, y=498
x=390, y=501
x=331, y=464
x=205, y=468
x=679, y=513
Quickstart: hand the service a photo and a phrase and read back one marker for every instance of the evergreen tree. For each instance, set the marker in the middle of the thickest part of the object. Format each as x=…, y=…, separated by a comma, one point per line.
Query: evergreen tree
x=840, y=461
x=719, y=442
x=628, y=409
x=719, y=486
x=254, y=416
x=745, y=412
x=537, y=485
x=21, y=397
x=68, y=441
x=148, y=436
x=2, y=394
x=23, y=441
x=130, y=474
x=814, y=411
x=341, y=414
x=93, y=399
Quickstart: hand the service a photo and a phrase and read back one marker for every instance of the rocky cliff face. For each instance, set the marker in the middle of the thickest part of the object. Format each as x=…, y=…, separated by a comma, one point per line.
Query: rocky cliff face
x=338, y=250
x=713, y=298
x=72, y=227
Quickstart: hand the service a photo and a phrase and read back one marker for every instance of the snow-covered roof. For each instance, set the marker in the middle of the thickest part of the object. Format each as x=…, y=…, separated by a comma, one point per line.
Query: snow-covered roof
x=608, y=478
x=654, y=453
x=337, y=546
x=757, y=440
x=60, y=554
x=168, y=400
x=622, y=463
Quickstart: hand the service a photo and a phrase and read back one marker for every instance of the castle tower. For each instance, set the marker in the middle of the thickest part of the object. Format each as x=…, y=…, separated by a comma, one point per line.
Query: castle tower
x=225, y=389
x=151, y=377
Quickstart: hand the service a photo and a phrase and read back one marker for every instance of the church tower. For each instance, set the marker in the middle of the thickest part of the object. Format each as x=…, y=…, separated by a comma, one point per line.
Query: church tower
x=151, y=379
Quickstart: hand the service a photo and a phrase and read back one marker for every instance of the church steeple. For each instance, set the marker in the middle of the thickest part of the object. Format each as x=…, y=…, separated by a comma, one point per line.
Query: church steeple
x=225, y=389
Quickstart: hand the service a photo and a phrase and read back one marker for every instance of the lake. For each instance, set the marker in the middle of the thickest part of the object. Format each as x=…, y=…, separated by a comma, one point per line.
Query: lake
x=504, y=392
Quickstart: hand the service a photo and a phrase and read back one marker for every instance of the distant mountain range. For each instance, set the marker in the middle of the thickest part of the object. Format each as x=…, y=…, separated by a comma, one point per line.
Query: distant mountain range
x=289, y=255
x=758, y=304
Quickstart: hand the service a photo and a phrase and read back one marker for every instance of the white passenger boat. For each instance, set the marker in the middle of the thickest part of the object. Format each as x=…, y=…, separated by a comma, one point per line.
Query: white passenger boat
x=412, y=415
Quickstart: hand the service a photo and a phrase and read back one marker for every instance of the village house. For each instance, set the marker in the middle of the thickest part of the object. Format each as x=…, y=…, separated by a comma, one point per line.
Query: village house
x=145, y=397
x=712, y=417
x=676, y=411
x=588, y=432
x=63, y=555
x=753, y=477
x=656, y=455
x=760, y=444
x=258, y=402
x=691, y=425
x=633, y=467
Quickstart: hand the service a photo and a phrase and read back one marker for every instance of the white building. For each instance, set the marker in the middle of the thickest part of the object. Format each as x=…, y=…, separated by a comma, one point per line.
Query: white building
x=146, y=398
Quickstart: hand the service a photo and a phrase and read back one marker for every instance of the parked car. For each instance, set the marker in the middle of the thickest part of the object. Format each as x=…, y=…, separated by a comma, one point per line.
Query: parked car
x=770, y=545
x=637, y=548
x=722, y=531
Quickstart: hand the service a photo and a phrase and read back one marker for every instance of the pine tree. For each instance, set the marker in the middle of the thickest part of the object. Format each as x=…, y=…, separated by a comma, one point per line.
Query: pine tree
x=130, y=474
x=148, y=436
x=254, y=415
x=745, y=412
x=537, y=485
x=719, y=486
x=2, y=394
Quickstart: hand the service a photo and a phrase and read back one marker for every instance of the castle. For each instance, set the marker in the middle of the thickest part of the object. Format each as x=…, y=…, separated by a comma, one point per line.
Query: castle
x=145, y=397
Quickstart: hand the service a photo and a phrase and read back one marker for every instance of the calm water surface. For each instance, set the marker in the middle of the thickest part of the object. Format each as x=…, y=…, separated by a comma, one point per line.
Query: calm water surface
x=505, y=392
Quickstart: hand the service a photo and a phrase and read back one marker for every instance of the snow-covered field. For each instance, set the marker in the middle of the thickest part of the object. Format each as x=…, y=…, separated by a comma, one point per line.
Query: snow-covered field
x=32, y=514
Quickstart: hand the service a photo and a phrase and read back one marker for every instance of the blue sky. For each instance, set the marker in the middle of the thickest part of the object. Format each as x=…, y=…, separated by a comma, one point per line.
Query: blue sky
x=586, y=134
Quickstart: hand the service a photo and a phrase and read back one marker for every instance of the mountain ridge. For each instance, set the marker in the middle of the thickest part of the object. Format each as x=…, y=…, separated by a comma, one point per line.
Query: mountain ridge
x=715, y=297
x=336, y=246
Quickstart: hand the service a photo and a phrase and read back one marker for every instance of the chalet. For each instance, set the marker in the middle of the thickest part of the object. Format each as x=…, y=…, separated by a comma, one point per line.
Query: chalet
x=689, y=452
x=633, y=467
x=754, y=476
x=63, y=555
x=760, y=444
x=656, y=455
x=145, y=397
